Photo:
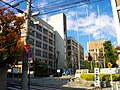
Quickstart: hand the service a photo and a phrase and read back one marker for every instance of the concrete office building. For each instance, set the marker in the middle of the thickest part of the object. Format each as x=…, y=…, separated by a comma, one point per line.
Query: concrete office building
x=116, y=14
x=75, y=54
x=94, y=48
x=59, y=24
x=41, y=37
x=47, y=44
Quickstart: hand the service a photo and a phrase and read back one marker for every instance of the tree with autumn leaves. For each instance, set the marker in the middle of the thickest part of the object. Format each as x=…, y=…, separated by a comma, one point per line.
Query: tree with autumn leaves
x=11, y=46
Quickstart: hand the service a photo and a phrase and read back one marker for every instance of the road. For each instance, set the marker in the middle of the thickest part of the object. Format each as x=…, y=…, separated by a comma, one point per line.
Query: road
x=55, y=83
x=17, y=86
x=14, y=84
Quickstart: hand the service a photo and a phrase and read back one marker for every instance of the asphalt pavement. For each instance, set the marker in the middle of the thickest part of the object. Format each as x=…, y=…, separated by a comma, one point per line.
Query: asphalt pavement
x=62, y=83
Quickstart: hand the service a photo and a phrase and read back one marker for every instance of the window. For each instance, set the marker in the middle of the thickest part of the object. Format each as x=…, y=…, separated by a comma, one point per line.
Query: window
x=37, y=59
x=50, y=34
x=69, y=53
x=45, y=39
x=73, y=42
x=32, y=32
x=69, y=47
x=45, y=46
x=68, y=41
x=38, y=27
x=45, y=31
x=50, y=48
x=51, y=41
x=76, y=44
x=39, y=36
x=38, y=44
x=31, y=41
x=44, y=54
x=37, y=52
x=50, y=55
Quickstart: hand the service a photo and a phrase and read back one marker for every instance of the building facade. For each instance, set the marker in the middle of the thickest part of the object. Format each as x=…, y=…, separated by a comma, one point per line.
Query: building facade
x=75, y=54
x=94, y=48
x=59, y=24
x=41, y=38
x=116, y=14
x=47, y=44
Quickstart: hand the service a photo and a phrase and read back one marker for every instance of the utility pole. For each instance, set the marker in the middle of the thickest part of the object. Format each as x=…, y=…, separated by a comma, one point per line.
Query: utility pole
x=25, y=58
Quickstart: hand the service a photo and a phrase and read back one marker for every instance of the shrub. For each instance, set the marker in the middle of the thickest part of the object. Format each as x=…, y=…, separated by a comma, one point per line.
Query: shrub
x=88, y=77
x=103, y=77
x=116, y=77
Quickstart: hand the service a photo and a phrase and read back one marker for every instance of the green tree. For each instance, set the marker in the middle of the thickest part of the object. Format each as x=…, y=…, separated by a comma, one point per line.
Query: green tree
x=87, y=64
x=10, y=43
x=110, y=53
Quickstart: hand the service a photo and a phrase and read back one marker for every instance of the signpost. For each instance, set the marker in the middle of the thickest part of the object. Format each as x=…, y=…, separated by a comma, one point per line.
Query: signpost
x=30, y=55
x=97, y=79
x=110, y=65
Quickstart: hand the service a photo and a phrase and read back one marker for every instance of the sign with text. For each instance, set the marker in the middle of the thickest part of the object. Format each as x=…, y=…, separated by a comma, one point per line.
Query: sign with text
x=96, y=78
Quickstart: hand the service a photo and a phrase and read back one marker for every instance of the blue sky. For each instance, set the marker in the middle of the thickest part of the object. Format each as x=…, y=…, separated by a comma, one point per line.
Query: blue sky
x=97, y=22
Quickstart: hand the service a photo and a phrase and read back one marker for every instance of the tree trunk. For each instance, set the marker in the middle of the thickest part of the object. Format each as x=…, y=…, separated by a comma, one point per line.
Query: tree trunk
x=3, y=77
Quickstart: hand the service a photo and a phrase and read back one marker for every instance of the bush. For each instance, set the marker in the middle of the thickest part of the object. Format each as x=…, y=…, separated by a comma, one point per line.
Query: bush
x=103, y=77
x=116, y=77
x=88, y=77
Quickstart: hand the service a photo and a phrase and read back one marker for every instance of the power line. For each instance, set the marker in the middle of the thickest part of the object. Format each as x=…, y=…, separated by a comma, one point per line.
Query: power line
x=5, y=5
x=49, y=4
x=97, y=12
x=14, y=5
x=56, y=9
x=55, y=6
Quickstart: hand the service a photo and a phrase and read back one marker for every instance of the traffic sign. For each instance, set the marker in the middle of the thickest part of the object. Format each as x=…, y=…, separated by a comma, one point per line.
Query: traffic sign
x=109, y=64
x=27, y=47
x=30, y=55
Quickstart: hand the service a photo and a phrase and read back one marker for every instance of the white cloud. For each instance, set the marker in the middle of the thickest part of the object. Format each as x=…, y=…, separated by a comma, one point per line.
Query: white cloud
x=42, y=4
x=7, y=0
x=11, y=1
x=99, y=27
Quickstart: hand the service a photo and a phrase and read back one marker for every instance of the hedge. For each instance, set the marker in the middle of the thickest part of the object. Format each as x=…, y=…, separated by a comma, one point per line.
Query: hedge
x=103, y=77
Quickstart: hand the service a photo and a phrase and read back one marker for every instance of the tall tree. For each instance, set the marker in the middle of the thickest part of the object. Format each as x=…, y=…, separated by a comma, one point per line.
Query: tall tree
x=10, y=43
x=110, y=53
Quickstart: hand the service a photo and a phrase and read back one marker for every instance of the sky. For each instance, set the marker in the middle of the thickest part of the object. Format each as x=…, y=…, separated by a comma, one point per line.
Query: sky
x=87, y=22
